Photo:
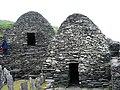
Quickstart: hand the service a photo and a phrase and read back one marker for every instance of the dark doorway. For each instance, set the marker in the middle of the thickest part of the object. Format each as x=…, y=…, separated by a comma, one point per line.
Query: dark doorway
x=31, y=39
x=73, y=74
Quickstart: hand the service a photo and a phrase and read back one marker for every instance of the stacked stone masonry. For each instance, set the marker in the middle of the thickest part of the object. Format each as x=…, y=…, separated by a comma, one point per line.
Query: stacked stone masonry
x=115, y=72
x=27, y=57
x=79, y=41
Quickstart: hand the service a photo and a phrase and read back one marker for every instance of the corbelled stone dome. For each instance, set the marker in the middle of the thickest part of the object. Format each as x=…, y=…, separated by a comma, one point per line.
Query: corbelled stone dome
x=34, y=21
x=80, y=41
x=29, y=40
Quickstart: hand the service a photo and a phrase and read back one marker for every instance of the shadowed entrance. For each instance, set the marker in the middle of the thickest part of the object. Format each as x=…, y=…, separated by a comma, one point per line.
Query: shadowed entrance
x=73, y=74
x=31, y=39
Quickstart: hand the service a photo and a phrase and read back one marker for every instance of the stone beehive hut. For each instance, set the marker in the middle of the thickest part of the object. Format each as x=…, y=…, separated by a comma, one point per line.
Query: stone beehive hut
x=28, y=41
x=78, y=55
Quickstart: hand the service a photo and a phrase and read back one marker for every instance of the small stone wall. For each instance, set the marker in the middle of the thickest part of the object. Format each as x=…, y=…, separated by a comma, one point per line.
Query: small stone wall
x=115, y=72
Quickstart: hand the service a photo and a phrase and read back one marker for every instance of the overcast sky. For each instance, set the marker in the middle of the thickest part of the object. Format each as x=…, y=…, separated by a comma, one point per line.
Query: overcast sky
x=104, y=13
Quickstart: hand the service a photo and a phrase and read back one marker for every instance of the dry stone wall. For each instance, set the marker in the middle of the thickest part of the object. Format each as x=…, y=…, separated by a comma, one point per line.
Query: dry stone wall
x=26, y=57
x=115, y=72
x=80, y=41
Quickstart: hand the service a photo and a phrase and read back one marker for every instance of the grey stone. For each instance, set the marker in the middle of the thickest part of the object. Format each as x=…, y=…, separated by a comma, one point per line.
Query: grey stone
x=9, y=82
x=42, y=79
x=80, y=41
x=48, y=86
x=115, y=72
x=24, y=86
x=32, y=84
x=0, y=77
x=29, y=58
x=38, y=83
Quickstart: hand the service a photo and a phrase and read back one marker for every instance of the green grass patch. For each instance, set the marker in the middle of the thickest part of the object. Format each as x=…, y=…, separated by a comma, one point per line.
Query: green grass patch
x=1, y=35
x=5, y=24
x=42, y=86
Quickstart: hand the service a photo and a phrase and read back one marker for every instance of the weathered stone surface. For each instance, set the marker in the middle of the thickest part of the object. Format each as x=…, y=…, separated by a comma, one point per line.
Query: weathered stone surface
x=27, y=57
x=1, y=77
x=32, y=84
x=115, y=71
x=79, y=40
x=37, y=84
x=10, y=82
x=33, y=22
x=114, y=48
x=24, y=86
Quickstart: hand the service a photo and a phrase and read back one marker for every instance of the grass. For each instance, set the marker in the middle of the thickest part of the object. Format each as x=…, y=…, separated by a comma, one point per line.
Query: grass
x=17, y=85
x=5, y=24
x=1, y=35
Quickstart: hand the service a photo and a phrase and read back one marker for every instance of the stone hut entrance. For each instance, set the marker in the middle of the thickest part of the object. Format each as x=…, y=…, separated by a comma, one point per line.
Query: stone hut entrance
x=31, y=39
x=73, y=74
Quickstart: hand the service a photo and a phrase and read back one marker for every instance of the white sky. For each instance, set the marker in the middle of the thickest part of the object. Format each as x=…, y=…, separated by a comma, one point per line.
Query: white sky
x=104, y=13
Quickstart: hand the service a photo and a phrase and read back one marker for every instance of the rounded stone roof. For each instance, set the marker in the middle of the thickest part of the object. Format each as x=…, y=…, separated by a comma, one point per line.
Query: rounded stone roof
x=33, y=21
x=78, y=20
x=78, y=38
